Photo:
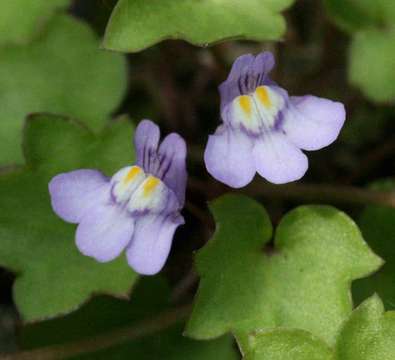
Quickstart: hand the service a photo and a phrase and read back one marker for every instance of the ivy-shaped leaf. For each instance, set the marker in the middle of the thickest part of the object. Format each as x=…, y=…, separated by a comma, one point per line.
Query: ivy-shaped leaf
x=21, y=20
x=304, y=282
x=138, y=24
x=377, y=224
x=373, y=47
x=103, y=314
x=52, y=276
x=62, y=72
x=368, y=334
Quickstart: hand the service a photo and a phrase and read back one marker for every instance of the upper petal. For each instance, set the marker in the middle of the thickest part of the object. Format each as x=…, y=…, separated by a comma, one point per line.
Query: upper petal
x=278, y=160
x=228, y=157
x=104, y=232
x=151, y=243
x=75, y=192
x=172, y=165
x=246, y=74
x=312, y=123
x=146, y=141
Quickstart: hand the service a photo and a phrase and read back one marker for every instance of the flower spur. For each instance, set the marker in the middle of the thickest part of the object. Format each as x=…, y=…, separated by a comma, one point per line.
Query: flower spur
x=138, y=209
x=264, y=129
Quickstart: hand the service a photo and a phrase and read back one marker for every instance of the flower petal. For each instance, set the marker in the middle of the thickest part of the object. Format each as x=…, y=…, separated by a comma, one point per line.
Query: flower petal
x=104, y=232
x=75, y=192
x=228, y=157
x=247, y=73
x=312, y=123
x=278, y=160
x=151, y=243
x=146, y=141
x=172, y=165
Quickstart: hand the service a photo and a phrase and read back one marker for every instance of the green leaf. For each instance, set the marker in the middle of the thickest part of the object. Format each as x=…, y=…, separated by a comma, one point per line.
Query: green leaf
x=303, y=283
x=369, y=334
x=103, y=314
x=63, y=72
x=287, y=344
x=378, y=228
x=52, y=276
x=374, y=50
x=138, y=24
x=21, y=20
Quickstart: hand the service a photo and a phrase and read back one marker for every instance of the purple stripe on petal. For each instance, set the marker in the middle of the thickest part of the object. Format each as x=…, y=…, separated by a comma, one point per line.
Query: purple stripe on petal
x=312, y=123
x=151, y=243
x=246, y=74
x=104, y=232
x=146, y=141
x=228, y=157
x=75, y=192
x=232, y=86
x=172, y=169
x=278, y=160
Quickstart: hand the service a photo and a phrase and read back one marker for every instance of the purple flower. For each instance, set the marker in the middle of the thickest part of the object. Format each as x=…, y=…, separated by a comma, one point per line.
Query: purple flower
x=138, y=209
x=264, y=129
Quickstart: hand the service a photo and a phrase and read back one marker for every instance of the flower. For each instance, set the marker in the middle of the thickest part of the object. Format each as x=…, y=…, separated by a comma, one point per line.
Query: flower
x=264, y=129
x=138, y=209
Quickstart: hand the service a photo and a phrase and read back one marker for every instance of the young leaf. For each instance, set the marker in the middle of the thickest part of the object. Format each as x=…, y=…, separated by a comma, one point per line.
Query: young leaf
x=138, y=24
x=62, y=72
x=369, y=334
x=286, y=344
x=52, y=276
x=21, y=20
x=303, y=283
x=378, y=228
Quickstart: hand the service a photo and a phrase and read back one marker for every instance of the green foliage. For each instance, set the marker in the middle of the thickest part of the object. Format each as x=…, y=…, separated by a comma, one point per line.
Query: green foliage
x=53, y=277
x=372, y=54
x=378, y=227
x=372, y=63
x=368, y=334
x=103, y=314
x=63, y=72
x=21, y=20
x=286, y=344
x=302, y=283
x=138, y=24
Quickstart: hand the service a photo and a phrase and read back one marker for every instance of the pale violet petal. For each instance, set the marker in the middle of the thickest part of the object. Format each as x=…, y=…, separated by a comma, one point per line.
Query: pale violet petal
x=104, y=232
x=278, y=160
x=75, y=192
x=228, y=157
x=146, y=141
x=312, y=123
x=151, y=243
x=172, y=167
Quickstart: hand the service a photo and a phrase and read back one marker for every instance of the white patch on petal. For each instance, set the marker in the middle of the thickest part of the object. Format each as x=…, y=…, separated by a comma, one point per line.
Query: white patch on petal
x=257, y=111
x=126, y=181
x=150, y=195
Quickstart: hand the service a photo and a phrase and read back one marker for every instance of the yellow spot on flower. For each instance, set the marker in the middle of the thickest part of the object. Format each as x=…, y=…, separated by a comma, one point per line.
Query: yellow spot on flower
x=150, y=184
x=245, y=104
x=263, y=96
x=132, y=173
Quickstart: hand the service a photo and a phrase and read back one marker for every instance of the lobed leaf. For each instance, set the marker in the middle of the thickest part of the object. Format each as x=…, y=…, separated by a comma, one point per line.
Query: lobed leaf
x=304, y=282
x=52, y=276
x=137, y=24
x=62, y=72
